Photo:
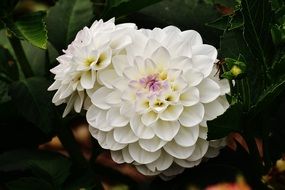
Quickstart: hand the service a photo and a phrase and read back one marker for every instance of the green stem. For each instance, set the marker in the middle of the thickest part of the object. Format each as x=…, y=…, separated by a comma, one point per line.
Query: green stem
x=67, y=139
x=20, y=54
x=245, y=93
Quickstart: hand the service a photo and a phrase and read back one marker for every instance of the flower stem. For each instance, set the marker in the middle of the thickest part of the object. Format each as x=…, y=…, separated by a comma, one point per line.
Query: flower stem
x=67, y=139
x=20, y=54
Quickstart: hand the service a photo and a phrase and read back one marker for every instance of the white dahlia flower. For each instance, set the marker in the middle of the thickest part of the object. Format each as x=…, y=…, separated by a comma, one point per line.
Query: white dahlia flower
x=85, y=58
x=152, y=107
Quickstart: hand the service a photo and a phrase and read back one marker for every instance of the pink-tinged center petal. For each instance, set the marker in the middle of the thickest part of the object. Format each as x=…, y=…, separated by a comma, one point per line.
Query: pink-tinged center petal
x=151, y=83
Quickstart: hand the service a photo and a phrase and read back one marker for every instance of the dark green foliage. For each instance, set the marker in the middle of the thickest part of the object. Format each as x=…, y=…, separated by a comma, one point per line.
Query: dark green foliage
x=250, y=35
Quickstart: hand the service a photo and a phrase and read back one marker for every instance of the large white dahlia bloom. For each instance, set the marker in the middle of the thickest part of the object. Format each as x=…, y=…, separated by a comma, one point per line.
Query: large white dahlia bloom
x=152, y=104
x=83, y=61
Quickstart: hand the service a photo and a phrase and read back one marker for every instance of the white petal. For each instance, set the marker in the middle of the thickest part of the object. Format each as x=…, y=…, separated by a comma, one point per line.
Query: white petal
x=149, y=66
x=97, y=119
x=139, y=63
x=65, y=91
x=209, y=90
x=87, y=79
x=203, y=64
x=79, y=101
x=120, y=83
x=212, y=152
x=183, y=49
x=131, y=73
x=104, y=60
x=92, y=114
x=192, y=115
x=150, y=47
x=142, y=156
x=98, y=98
x=203, y=132
x=126, y=155
x=186, y=163
x=114, y=97
x=69, y=105
x=127, y=109
x=205, y=49
x=124, y=135
x=173, y=74
x=140, y=129
x=179, y=85
x=55, y=85
x=181, y=63
x=149, y=118
x=152, y=145
x=187, y=136
x=190, y=97
x=171, y=113
x=142, y=105
x=213, y=109
x=218, y=143
x=110, y=143
x=173, y=170
x=106, y=77
x=192, y=36
x=161, y=58
x=200, y=150
x=97, y=134
x=115, y=119
x=224, y=86
x=162, y=163
x=166, y=130
x=193, y=77
x=120, y=62
x=178, y=151
x=224, y=102
x=117, y=156
x=120, y=41
x=145, y=171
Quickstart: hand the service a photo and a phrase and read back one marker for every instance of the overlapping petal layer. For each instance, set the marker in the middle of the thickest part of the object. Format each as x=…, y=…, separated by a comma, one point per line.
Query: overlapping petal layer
x=150, y=94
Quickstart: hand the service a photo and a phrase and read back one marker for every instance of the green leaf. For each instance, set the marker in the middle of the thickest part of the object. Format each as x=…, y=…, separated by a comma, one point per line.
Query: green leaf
x=30, y=27
x=8, y=66
x=181, y=13
x=278, y=66
x=7, y=6
x=29, y=183
x=4, y=97
x=65, y=19
x=230, y=121
x=117, y=8
x=49, y=166
x=34, y=102
x=267, y=97
x=257, y=16
x=220, y=23
x=36, y=57
x=278, y=34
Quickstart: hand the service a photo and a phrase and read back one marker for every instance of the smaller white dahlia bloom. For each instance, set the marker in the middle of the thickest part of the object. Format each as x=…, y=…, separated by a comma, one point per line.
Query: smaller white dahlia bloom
x=153, y=105
x=85, y=58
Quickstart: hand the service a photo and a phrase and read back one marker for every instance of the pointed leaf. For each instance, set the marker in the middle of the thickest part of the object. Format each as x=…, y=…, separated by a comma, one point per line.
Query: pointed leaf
x=34, y=102
x=30, y=27
x=117, y=8
x=45, y=165
x=65, y=19
x=8, y=66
